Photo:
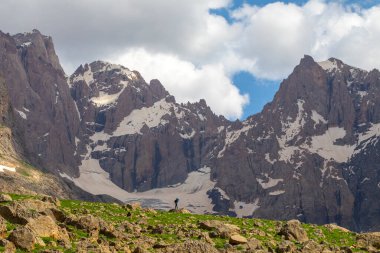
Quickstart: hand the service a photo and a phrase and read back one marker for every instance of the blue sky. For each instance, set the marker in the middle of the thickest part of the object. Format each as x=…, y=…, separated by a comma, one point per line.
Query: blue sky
x=261, y=91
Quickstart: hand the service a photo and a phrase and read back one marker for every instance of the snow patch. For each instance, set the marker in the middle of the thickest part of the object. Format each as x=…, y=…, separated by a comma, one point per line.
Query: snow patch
x=329, y=65
x=243, y=209
x=123, y=70
x=275, y=193
x=223, y=193
x=26, y=44
x=105, y=99
x=150, y=116
x=22, y=114
x=268, y=182
x=56, y=95
x=188, y=136
x=317, y=118
x=76, y=107
x=364, y=180
x=291, y=130
x=362, y=93
x=87, y=76
x=94, y=179
x=3, y=167
x=368, y=137
x=267, y=158
x=102, y=147
x=192, y=193
x=232, y=136
x=324, y=145
x=201, y=117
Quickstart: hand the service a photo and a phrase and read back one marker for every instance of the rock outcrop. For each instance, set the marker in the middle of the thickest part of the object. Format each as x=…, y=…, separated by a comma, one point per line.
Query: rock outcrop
x=97, y=227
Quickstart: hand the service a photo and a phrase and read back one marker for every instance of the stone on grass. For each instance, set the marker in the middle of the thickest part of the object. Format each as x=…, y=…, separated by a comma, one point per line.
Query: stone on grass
x=293, y=230
x=24, y=238
x=237, y=239
x=5, y=197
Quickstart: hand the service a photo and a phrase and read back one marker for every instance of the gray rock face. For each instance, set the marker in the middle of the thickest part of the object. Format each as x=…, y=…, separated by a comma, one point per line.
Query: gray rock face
x=44, y=116
x=303, y=156
x=137, y=132
x=311, y=154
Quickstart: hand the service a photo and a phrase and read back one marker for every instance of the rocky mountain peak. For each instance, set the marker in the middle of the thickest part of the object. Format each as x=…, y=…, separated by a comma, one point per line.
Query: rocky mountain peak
x=332, y=65
x=34, y=44
x=104, y=82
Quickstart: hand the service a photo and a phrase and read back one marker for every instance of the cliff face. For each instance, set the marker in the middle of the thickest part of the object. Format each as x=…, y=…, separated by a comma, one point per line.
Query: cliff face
x=311, y=154
x=136, y=131
x=302, y=157
x=42, y=111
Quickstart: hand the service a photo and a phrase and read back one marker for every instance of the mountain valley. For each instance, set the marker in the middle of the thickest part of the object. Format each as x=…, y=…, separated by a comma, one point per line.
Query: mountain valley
x=311, y=154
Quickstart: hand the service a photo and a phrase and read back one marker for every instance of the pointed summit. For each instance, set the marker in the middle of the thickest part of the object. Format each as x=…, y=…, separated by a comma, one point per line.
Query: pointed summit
x=331, y=64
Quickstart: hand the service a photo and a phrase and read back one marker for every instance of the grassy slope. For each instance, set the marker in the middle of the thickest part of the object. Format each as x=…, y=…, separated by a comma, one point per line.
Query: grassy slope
x=173, y=223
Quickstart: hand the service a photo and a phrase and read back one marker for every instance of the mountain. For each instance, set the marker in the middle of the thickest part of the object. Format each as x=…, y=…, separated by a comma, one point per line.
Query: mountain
x=38, y=120
x=311, y=154
x=303, y=155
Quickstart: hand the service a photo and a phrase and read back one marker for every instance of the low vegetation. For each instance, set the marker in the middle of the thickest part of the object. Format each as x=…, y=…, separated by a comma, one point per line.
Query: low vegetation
x=46, y=224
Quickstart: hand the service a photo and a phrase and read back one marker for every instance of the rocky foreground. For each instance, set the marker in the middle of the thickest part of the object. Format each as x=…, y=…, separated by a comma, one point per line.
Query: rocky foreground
x=46, y=224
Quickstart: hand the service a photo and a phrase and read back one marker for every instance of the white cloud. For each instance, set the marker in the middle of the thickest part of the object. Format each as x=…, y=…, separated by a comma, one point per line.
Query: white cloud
x=187, y=82
x=195, y=53
x=277, y=35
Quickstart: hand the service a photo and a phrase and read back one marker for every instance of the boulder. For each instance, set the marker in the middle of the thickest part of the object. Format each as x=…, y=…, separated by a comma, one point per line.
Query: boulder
x=206, y=237
x=140, y=249
x=150, y=210
x=3, y=228
x=254, y=244
x=36, y=205
x=5, y=198
x=64, y=238
x=237, y=239
x=24, y=238
x=286, y=247
x=88, y=245
x=293, y=230
x=311, y=247
x=108, y=229
x=20, y=212
x=88, y=222
x=9, y=247
x=44, y=226
x=332, y=227
x=222, y=229
x=132, y=206
x=367, y=240
x=189, y=246
x=17, y=213
x=57, y=214
x=182, y=210
x=53, y=200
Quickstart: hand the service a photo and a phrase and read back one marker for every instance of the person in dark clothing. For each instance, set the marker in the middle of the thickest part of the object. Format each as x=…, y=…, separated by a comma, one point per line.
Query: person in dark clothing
x=176, y=203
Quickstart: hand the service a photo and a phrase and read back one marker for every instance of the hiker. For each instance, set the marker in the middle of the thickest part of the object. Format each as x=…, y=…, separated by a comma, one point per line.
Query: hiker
x=176, y=203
